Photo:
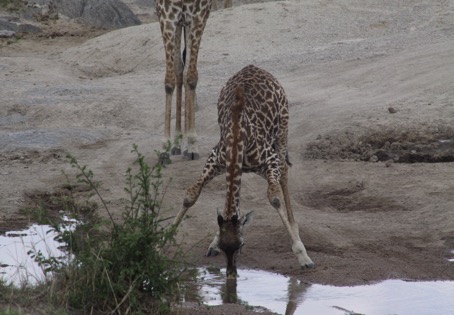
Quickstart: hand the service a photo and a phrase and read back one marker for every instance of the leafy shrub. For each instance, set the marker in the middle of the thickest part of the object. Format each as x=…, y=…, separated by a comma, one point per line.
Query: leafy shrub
x=124, y=266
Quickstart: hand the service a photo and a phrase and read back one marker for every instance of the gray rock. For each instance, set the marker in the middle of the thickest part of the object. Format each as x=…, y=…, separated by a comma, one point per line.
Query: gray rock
x=7, y=25
x=106, y=14
x=28, y=28
x=10, y=25
x=7, y=34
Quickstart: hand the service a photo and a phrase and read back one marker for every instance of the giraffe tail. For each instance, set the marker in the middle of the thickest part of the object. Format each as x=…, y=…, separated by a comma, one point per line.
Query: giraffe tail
x=237, y=108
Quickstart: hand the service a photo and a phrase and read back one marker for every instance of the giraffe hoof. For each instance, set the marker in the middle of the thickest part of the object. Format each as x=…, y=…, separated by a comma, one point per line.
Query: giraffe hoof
x=175, y=151
x=191, y=155
x=164, y=158
x=309, y=266
x=212, y=252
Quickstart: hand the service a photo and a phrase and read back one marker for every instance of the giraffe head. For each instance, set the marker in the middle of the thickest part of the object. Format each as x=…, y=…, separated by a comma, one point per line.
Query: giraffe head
x=231, y=239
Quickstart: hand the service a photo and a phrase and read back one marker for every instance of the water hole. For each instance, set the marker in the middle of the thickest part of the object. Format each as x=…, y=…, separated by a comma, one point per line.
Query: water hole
x=260, y=289
x=17, y=267
x=288, y=295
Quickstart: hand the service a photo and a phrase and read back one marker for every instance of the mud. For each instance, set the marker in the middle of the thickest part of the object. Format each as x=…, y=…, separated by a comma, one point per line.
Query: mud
x=422, y=144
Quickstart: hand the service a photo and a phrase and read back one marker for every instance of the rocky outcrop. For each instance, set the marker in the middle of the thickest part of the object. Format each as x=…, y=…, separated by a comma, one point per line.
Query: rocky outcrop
x=104, y=14
x=10, y=26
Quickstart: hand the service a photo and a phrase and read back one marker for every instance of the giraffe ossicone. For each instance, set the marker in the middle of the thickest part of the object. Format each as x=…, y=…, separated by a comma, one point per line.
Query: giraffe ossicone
x=253, y=119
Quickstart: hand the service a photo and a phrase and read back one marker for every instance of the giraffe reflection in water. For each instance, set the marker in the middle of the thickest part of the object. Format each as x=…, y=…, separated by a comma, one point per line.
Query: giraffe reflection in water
x=294, y=293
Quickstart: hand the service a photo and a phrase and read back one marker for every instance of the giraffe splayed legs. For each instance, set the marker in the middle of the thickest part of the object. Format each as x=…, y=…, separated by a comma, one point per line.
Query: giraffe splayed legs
x=253, y=119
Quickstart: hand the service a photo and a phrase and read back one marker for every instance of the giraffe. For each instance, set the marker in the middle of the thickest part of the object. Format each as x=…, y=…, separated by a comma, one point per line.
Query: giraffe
x=253, y=119
x=177, y=18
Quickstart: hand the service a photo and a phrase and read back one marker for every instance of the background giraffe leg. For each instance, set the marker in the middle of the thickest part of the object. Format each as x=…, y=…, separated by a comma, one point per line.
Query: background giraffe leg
x=178, y=68
x=190, y=79
x=168, y=35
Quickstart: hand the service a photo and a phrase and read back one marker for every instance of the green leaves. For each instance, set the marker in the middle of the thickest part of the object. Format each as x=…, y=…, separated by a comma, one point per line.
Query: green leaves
x=122, y=266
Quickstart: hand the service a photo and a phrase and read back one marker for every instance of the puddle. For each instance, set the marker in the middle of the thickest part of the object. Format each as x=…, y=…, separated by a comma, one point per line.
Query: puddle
x=452, y=258
x=286, y=295
x=16, y=266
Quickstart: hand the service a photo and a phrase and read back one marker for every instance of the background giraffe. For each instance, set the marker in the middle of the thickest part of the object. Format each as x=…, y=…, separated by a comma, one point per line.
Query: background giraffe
x=253, y=118
x=187, y=19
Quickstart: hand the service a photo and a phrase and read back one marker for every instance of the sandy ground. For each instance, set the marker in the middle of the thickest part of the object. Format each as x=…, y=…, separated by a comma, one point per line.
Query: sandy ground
x=367, y=81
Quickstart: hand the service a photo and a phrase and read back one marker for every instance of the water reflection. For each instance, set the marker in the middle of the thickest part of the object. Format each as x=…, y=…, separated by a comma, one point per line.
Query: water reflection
x=451, y=259
x=229, y=292
x=287, y=295
x=16, y=265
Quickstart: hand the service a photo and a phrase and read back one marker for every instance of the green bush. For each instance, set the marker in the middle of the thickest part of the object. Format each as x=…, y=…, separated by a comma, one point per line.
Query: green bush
x=124, y=266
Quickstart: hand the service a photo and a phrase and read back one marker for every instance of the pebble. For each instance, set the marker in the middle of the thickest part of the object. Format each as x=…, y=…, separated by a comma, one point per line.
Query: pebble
x=373, y=158
x=392, y=110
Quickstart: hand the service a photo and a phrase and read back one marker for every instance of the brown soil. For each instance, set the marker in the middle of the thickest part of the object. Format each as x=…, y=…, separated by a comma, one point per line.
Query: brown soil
x=371, y=138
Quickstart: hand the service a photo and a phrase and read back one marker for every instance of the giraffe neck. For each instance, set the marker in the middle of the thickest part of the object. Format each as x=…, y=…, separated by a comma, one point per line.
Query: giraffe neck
x=234, y=156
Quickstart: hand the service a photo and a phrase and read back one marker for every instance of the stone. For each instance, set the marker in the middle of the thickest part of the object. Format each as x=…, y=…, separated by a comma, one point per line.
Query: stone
x=7, y=34
x=392, y=110
x=106, y=14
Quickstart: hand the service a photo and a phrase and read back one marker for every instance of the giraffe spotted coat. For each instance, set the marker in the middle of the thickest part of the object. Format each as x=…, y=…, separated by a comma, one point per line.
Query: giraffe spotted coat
x=253, y=118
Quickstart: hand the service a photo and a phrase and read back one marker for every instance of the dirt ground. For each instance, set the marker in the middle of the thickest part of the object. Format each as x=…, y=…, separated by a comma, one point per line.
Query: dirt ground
x=371, y=134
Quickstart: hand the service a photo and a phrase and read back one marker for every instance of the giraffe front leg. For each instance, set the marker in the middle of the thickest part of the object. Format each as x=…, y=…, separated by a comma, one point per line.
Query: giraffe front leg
x=277, y=200
x=298, y=248
x=210, y=170
x=213, y=249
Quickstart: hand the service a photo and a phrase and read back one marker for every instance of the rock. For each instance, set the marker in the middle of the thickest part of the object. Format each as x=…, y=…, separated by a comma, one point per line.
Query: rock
x=28, y=28
x=373, y=158
x=382, y=155
x=6, y=24
x=392, y=110
x=106, y=14
x=9, y=26
x=7, y=34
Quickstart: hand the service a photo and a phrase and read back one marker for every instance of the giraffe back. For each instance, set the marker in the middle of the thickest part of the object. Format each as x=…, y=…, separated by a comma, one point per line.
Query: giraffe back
x=253, y=120
x=264, y=118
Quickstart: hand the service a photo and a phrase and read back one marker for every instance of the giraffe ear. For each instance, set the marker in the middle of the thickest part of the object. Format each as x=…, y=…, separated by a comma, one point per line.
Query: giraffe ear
x=220, y=218
x=247, y=218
